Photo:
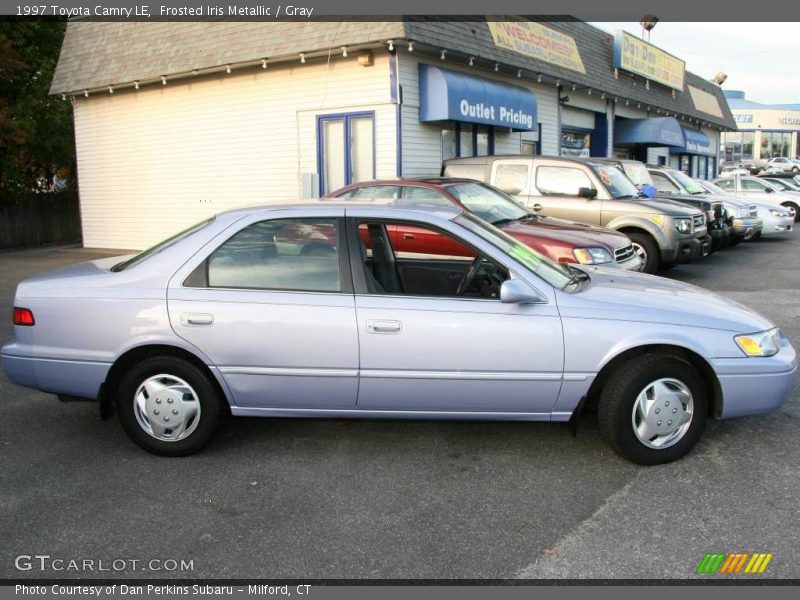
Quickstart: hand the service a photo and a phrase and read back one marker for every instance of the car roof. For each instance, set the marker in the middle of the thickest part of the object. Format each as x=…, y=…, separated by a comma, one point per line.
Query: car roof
x=399, y=204
x=484, y=160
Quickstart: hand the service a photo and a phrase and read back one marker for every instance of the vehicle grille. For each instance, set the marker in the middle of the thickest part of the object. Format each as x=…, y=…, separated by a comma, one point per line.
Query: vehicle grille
x=699, y=221
x=623, y=254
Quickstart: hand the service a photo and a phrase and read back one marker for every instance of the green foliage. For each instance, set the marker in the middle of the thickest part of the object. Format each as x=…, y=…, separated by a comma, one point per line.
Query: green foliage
x=37, y=147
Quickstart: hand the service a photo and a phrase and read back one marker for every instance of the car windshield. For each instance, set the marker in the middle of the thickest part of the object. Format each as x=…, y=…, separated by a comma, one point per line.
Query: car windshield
x=135, y=260
x=712, y=187
x=488, y=204
x=637, y=173
x=786, y=184
x=688, y=184
x=553, y=273
x=617, y=184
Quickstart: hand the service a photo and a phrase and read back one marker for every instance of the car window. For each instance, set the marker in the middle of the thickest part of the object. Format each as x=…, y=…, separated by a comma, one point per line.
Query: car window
x=727, y=184
x=637, y=173
x=511, y=178
x=372, y=192
x=161, y=246
x=279, y=254
x=751, y=185
x=564, y=181
x=424, y=195
x=415, y=259
x=662, y=183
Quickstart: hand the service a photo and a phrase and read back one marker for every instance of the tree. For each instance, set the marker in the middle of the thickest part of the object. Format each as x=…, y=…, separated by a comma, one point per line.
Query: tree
x=37, y=147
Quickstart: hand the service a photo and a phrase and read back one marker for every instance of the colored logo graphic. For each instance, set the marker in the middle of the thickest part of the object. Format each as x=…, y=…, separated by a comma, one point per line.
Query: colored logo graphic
x=722, y=563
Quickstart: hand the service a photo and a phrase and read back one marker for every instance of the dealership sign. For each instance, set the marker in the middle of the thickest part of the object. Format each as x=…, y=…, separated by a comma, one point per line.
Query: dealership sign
x=743, y=118
x=642, y=58
x=538, y=41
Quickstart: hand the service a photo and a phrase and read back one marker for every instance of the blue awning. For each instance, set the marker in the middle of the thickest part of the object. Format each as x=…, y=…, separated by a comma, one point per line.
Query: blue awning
x=696, y=143
x=451, y=96
x=655, y=131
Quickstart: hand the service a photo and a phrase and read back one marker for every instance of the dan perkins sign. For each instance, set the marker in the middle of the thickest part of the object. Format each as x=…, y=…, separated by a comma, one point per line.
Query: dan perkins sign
x=538, y=41
x=642, y=58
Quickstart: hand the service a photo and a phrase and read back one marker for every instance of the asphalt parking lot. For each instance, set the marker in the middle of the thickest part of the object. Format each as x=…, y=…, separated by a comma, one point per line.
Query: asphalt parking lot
x=340, y=499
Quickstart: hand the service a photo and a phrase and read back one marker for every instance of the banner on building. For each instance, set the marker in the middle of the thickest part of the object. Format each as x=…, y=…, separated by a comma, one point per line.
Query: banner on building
x=576, y=143
x=538, y=41
x=642, y=58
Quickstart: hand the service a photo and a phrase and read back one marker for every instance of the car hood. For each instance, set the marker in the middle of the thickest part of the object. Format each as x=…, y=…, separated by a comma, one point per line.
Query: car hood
x=670, y=207
x=577, y=235
x=632, y=296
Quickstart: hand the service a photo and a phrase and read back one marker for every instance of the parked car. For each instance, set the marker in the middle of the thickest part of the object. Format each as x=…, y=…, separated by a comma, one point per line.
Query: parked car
x=560, y=240
x=756, y=188
x=678, y=186
x=731, y=170
x=743, y=215
x=784, y=184
x=590, y=191
x=203, y=324
x=787, y=165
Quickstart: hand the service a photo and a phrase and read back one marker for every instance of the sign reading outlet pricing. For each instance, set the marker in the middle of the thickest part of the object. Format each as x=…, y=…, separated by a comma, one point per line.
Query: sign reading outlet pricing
x=446, y=95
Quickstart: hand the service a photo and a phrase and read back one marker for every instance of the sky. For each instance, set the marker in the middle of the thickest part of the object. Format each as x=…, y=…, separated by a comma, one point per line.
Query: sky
x=762, y=59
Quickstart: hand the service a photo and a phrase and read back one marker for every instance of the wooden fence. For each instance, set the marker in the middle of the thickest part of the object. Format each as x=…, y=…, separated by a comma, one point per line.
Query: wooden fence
x=34, y=219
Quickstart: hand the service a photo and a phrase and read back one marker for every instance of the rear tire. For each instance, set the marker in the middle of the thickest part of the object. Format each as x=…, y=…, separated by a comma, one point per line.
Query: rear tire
x=169, y=406
x=653, y=408
x=792, y=206
x=646, y=247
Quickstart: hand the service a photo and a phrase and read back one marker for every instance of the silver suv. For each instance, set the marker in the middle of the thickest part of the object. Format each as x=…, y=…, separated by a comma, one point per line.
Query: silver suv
x=663, y=232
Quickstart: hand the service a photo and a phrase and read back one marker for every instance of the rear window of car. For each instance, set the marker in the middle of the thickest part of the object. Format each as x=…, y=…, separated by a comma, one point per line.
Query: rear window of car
x=142, y=256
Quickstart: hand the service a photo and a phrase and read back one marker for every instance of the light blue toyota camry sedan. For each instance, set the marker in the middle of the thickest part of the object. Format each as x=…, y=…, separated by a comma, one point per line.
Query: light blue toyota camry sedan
x=309, y=310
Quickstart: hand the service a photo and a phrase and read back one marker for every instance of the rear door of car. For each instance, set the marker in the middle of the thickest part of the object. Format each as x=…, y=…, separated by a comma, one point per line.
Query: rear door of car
x=272, y=306
x=556, y=186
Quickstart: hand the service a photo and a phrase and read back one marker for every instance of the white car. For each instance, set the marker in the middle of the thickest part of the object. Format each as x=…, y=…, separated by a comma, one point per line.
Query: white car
x=761, y=190
x=776, y=220
x=787, y=165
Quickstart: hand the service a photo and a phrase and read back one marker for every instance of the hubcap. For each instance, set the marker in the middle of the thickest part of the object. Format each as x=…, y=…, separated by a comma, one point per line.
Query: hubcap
x=662, y=413
x=641, y=253
x=166, y=407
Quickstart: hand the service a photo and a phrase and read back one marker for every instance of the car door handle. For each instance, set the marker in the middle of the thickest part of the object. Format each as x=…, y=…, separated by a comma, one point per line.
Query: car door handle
x=409, y=236
x=197, y=319
x=375, y=326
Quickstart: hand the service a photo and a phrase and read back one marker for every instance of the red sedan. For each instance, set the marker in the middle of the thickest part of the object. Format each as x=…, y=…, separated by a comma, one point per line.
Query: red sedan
x=559, y=240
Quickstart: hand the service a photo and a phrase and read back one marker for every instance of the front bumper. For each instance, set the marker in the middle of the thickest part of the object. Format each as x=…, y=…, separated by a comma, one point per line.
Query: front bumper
x=753, y=386
x=746, y=227
x=777, y=226
x=686, y=250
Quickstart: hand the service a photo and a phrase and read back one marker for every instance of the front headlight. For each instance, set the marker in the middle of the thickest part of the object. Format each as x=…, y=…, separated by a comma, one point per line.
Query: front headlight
x=763, y=343
x=683, y=225
x=743, y=211
x=778, y=213
x=592, y=256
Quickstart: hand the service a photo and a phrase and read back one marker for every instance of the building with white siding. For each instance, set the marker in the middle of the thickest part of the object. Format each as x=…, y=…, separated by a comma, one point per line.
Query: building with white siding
x=176, y=121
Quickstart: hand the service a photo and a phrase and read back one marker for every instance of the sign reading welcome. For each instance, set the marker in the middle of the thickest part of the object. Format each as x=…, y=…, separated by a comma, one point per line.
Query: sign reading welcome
x=535, y=40
x=640, y=57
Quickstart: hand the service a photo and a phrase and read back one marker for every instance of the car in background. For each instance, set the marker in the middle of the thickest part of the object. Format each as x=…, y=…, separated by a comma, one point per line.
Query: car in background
x=756, y=188
x=731, y=170
x=587, y=190
x=773, y=220
x=678, y=186
x=560, y=240
x=505, y=335
x=786, y=184
x=787, y=165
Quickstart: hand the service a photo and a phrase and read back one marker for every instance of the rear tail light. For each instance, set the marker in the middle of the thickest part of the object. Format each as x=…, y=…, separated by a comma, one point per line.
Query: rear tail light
x=23, y=317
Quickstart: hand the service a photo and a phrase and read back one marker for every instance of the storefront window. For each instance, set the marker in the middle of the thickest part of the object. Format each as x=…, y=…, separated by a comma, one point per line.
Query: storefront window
x=448, y=143
x=738, y=146
x=465, y=140
x=528, y=148
x=347, y=150
x=482, y=143
x=575, y=143
x=775, y=144
x=685, y=165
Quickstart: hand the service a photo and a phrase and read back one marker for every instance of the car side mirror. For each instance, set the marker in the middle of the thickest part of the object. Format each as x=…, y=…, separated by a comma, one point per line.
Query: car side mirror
x=586, y=192
x=769, y=190
x=514, y=291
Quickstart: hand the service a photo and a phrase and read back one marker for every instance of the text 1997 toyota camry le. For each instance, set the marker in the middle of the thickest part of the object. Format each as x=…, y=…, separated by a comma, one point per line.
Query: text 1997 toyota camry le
x=306, y=310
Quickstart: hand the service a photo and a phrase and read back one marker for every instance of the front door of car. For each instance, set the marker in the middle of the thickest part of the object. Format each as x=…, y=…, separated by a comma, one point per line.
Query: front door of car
x=568, y=192
x=272, y=307
x=428, y=346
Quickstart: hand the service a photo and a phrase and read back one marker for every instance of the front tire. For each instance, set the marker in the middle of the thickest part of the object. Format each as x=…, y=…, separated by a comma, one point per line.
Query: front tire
x=653, y=408
x=647, y=249
x=168, y=406
x=792, y=207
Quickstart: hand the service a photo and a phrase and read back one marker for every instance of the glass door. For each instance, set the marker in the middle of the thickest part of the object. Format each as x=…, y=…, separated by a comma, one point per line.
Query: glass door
x=346, y=154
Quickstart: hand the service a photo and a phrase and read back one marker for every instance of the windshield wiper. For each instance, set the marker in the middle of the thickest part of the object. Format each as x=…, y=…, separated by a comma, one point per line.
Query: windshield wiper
x=525, y=217
x=626, y=196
